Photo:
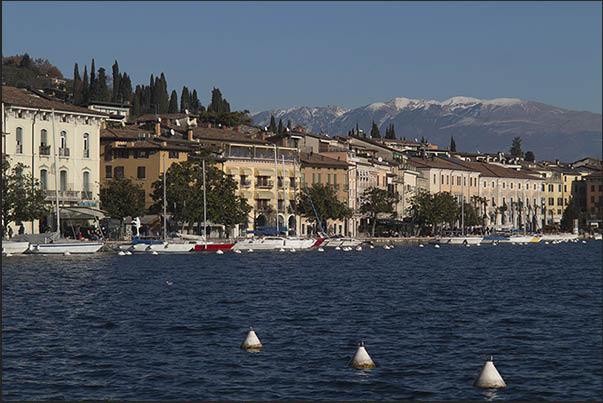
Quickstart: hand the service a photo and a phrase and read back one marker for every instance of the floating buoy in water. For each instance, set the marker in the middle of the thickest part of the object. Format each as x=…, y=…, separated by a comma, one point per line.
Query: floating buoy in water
x=467, y=245
x=583, y=241
x=128, y=253
x=121, y=253
x=321, y=250
x=219, y=252
x=251, y=342
x=281, y=250
x=372, y=247
x=436, y=246
x=337, y=248
x=169, y=282
x=250, y=250
x=154, y=252
x=478, y=244
x=546, y=242
x=7, y=254
x=237, y=251
x=358, y=248
x=489, y=377
x=67, y=254
x=421, y=245
x=293, y=250
x=362, y=359
x=386, y=247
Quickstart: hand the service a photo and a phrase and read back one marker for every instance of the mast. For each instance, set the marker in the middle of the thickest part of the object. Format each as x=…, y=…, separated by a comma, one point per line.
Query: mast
x=56, y=175
x=164, y=203
x=276, y=186
x=295, y=194
x=284, y=192
x=463, y=209
x=204, y=208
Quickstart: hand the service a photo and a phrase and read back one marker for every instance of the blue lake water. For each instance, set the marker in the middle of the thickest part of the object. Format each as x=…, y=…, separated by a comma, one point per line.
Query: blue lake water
x=109, y=327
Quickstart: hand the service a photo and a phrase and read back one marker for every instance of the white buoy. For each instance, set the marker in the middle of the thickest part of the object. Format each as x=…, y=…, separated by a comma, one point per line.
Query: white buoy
x=546, y=242
x=478, y=244
x=281, y=250
x=321, y=250
x=362, y=359
x=337, y=248
x=128, y=253
x=386, y=247
x=7, y=254
x=372, y=247
x=583, y=241
x=293, y=250
x=250, y=250
x=421, y=245
x=121, y=253
x=467, y=245
x=219, y=252
x=169, y=282
x=251, y=342
x=67, y=254
x=436, y=246
x=489, y=377
x=154, y=252
x=237, y=251
x=358, y=248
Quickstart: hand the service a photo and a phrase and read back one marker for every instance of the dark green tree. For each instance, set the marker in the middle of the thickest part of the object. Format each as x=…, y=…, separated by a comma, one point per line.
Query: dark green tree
x=173, y=108
x=122, y=198
x=196, y=106
x=390, y=133
x=375, y=131
x=163, y=99
x=530, y=157
x=516, y=148
x=22, y=198
x=572, y=212
x=116, y=82
x=125, y=89
x=452, y=145
x=92, y=89
x=375, y=201
x=100, y=90
x=280, y=126
x=272, y=126
x=78, y=95
x=218, y=104
x=433, y=209
x=326, y=204
x=185, y=100
x=85, y=88
x=289, y=124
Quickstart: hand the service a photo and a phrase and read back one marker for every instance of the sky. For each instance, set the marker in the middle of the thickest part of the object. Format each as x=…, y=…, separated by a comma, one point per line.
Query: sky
x=268, y=55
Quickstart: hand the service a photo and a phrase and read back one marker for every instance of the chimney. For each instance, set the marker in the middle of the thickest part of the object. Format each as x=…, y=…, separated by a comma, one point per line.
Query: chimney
x=189, y=134
x=158, y=128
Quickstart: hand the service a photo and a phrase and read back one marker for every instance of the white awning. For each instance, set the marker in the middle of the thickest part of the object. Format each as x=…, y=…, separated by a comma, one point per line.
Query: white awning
x=81, y=213
x=264, y=172
x=264, y=194
x=246, y=171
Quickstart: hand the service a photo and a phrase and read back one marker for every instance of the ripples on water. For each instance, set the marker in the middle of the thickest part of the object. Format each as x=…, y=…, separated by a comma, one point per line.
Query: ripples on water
x=109, y=327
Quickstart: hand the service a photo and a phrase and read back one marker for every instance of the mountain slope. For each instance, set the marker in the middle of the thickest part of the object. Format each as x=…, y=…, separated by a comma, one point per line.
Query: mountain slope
x=476, y=125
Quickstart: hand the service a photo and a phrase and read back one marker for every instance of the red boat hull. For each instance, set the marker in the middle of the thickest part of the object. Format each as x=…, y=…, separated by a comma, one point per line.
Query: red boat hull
x=212, y=247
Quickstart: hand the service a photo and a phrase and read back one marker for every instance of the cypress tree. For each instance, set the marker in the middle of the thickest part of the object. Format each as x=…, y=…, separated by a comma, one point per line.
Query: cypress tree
x=77, y=86
x=452, y=145
x=92, y=81
x=184, y=100
x=116, y=82
x=280, y=126
x=152, y=93
x=195, y=103
x=136, y=104
x=101, y=89
x=163, y=97
x=375, y=131
x=289, y=124
x=216, y=101
x=173, y=108
x=125, y=89
x=145, y=100
x=272, y=126
x=85, y=87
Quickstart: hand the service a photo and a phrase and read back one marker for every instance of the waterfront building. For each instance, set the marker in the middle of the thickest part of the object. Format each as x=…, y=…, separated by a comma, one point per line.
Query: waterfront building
x=27, y=127
x=594, y=199
x=118, y=112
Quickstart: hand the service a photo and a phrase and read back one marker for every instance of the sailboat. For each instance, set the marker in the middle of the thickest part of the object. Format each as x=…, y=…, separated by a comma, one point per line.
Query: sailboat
x=62, y=246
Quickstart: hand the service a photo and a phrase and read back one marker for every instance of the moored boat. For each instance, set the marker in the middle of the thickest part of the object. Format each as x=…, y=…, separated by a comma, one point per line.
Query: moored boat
x=457, y=240
x=71, y=247
x=14, y=247
x=274, y=242
x=341, y=242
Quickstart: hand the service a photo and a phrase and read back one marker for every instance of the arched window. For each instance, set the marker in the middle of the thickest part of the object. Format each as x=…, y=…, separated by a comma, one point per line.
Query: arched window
x=63, y=140
x=63, y=180
x=43, y=137
x=86, y=181
x=43, y=179
x=19, y=145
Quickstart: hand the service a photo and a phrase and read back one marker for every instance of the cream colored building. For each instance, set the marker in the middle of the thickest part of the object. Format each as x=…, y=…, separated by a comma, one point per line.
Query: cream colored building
x=29, y=137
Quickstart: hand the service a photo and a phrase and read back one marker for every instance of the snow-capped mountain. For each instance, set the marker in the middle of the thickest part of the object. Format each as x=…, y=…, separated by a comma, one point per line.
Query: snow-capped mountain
x=476, y=125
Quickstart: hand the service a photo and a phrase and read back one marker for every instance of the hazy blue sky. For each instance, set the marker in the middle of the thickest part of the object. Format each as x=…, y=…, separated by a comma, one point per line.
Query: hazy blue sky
x=269, y=55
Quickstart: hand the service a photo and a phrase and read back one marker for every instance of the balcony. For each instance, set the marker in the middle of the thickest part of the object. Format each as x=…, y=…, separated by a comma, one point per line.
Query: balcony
x=19, y=149
x=44, y=150
x=86, y=153
x=334, y=186
x=86, y=195
x=264, y=185
x=63, y=152
x=245, y=184
x=65, y=195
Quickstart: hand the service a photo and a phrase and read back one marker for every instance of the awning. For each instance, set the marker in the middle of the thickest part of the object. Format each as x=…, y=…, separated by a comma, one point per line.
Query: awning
x=81, y=213
x=264, y=195
x=246, y=194
x=230, y=171
x=246, y=171
x=264, y=172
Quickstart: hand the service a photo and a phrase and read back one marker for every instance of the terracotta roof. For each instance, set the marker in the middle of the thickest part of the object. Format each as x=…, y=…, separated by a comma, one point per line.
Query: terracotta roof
x=153, y=116
x=437, y=162
x=126, y=133
x=206, y=133
x=321, y=160
x=399, y=141
x=496, y=171
x=152, y=145
x=25, y=97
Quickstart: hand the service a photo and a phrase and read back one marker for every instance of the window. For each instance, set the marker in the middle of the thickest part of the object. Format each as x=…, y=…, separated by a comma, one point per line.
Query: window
x=534, y=186
x=329, y=179
x=558, y=211
x=141, y=174
x=560, y=188
x=447, y=176
x=485, y=185
x=63, y=180
x=519, y=186
x=492, y=183
x=44, y=179
x=43, y=137
x=119, y=172
x=313, y=178
x=493, y=202
x=442, y=179
x=565, y=188
x=334, y=179
x=511, y=185
x=458, y=180
x=592, y=188
x=434, y=179
x=551, y=189
x=503, y=185
x=86, y=181
x=108, y=172
x=565, y=202
x=542, y=187
x=63, y=140
x=464, y=181
x=559, y=201
x=319, y=178
x=19, y=148
x=86, y=145
x=551, y=201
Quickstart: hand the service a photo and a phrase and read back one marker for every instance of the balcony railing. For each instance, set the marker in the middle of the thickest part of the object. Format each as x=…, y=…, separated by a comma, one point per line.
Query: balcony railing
x=264, y=185
x=245, y=184
x=63, y=152
x=67, y=195
x=86, y=195
x=86, y=153
x=19, y=149
x=44, y=150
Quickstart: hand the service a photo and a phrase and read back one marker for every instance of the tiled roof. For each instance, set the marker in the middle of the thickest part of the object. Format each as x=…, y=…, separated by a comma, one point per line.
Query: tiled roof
x=437, y=162
x=321, y=160
x=496, y=171
x=153, y=145
x=153, y=116
x=24, y=97
x=206, y=133
x=128, y=133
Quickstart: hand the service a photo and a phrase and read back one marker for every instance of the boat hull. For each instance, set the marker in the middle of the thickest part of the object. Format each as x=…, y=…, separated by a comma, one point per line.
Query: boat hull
x=14, y=247
x=457, y=240
x=212, y=247
x=341, y=242
x=60, y=248
x=273, y=243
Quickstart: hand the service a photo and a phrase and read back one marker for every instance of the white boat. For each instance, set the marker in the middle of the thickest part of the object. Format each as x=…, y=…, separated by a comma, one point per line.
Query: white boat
x=598, y=237
x=171, y=247
x=274, y=242
x=14, y=247
x=558, y=237
x=457, y=240
x=61, y=248
x=521, y=239
x=341, y=242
